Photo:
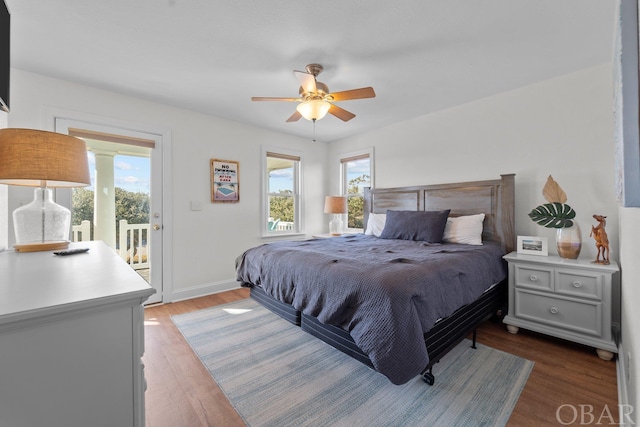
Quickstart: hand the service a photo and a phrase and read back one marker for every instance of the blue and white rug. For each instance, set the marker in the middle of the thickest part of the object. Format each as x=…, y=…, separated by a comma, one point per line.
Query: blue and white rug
x=275, y=374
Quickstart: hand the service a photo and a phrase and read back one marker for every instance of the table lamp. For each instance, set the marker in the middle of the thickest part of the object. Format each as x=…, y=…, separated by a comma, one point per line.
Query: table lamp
x=45, y=160
x=336, y=205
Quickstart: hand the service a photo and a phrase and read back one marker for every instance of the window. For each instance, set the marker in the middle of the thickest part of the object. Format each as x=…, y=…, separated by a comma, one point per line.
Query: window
x=282, y=210
x=355, y=172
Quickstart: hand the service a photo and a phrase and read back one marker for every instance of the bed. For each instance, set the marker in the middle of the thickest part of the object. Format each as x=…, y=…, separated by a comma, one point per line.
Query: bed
x=403, y=318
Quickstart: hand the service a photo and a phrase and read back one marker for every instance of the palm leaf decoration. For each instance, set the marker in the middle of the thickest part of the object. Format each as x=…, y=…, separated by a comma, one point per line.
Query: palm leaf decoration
x=553, y=215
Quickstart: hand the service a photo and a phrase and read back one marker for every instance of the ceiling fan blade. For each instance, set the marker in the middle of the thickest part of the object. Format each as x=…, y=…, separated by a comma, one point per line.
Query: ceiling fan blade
x=363, y=92
x=306, y=80
x=294, y=117
x=341, y=113
x=266, y=98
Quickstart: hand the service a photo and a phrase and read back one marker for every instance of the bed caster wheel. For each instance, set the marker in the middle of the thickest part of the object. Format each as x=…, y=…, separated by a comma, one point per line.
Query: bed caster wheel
x=429, y=378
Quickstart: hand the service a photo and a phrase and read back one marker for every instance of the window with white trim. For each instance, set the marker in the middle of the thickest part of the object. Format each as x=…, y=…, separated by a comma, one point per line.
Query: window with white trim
x=282, y=210
x=355, y=173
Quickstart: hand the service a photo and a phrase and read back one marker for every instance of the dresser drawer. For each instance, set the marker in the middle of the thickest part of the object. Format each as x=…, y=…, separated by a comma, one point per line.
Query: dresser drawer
x=577, y=315
x=579, y=284
x=537, y=278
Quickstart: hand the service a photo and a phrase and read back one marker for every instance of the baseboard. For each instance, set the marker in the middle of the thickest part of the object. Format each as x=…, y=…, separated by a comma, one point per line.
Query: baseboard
x=203, y=290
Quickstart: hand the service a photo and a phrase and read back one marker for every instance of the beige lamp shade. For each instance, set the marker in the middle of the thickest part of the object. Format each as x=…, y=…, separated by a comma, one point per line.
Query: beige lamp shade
x=335, y=204
x=38, y=158
x=313, y=109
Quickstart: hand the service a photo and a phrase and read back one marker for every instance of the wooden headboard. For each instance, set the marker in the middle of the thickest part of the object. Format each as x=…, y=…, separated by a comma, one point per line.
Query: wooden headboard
x=494, y=198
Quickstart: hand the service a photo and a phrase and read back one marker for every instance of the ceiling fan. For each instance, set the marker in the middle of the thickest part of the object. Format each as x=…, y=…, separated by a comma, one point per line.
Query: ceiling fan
x=316, y=100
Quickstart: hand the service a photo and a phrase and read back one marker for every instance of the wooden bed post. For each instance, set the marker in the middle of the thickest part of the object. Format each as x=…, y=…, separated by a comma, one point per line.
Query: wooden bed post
x=507, y=212
x=367, y=207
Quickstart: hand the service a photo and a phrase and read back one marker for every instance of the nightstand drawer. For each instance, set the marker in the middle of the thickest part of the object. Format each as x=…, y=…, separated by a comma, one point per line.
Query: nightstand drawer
x=580, y=316
x=581, y=285
x=537, y=278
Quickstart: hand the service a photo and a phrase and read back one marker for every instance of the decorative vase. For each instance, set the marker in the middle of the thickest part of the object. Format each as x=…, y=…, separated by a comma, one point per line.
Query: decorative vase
x=569, y=241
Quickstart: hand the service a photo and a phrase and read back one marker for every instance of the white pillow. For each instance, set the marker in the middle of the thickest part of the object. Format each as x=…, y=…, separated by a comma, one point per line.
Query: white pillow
x=375, y=224
x=464, y=229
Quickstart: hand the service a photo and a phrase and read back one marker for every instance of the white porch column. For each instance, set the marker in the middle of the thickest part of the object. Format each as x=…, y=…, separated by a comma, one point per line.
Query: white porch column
x=104, y=204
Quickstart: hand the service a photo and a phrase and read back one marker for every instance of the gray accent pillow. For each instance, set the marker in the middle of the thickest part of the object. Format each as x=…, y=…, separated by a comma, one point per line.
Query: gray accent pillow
x=427, y=226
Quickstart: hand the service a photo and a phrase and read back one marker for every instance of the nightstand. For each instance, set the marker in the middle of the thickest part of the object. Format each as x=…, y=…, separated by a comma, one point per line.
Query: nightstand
x=569, y=299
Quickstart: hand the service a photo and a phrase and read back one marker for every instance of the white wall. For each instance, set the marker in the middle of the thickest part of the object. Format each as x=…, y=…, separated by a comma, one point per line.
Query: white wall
x=561, y=127
x=205, y=243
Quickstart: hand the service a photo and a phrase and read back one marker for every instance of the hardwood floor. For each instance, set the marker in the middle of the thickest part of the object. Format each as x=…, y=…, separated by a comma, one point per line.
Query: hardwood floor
x=181, y=392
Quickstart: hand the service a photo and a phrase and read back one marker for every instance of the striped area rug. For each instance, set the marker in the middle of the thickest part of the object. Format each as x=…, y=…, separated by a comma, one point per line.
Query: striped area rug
x=275, y=374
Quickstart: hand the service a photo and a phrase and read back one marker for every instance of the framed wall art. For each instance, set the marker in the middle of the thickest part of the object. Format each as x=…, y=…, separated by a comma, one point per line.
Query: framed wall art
x=533, y=245
x=225, y=181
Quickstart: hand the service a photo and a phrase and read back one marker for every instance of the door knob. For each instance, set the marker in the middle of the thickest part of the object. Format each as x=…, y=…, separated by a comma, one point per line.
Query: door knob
x=156, y=227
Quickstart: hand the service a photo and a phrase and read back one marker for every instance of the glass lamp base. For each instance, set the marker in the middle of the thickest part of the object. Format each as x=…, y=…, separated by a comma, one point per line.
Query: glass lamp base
x=336, y=226
x=38, y=247
x=41, y=225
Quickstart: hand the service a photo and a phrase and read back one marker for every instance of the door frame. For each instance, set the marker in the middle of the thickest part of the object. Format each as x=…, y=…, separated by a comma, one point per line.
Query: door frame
x=111, y=125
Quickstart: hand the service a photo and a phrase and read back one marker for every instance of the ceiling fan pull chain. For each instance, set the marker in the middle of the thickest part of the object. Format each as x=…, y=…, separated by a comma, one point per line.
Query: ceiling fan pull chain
x=314, y=130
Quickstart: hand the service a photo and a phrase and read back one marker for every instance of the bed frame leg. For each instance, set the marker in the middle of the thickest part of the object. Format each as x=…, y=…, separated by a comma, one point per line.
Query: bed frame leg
x=475, y=335
x=428, y=377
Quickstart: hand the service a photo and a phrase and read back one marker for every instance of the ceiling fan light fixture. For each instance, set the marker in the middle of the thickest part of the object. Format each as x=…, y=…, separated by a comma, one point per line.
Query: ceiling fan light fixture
x=313, y=109
x=316, y=101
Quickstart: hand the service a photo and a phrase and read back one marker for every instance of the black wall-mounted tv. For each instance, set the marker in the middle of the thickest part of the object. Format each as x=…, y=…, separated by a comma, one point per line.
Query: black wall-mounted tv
x=5, y=38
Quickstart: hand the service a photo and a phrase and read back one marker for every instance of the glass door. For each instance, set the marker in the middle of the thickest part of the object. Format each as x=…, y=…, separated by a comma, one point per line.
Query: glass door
x=123, y=204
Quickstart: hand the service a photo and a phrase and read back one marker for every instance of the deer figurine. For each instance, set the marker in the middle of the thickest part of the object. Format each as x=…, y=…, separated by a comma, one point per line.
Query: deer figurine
x=602, y=240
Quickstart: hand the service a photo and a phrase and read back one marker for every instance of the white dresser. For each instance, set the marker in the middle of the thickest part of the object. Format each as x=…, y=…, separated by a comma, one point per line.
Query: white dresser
x=71, y=339
x=569, y=299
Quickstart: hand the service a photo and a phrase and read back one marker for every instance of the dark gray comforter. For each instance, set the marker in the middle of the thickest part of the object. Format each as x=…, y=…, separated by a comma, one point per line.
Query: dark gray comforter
x=386, y=293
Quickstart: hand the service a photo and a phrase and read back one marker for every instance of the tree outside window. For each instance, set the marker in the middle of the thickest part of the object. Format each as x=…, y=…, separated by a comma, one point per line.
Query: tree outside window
x=282, y=193
x=356, y=174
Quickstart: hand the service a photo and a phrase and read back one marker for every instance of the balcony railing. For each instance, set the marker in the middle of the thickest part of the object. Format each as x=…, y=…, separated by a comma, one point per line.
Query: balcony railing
x=277, y=225
x=284, y=226
x=82, y=232
x=132, y=242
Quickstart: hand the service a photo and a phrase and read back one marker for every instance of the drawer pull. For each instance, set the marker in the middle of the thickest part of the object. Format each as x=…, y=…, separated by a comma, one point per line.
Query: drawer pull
x=553, y=310
x=533, y=278
x=577, y=284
